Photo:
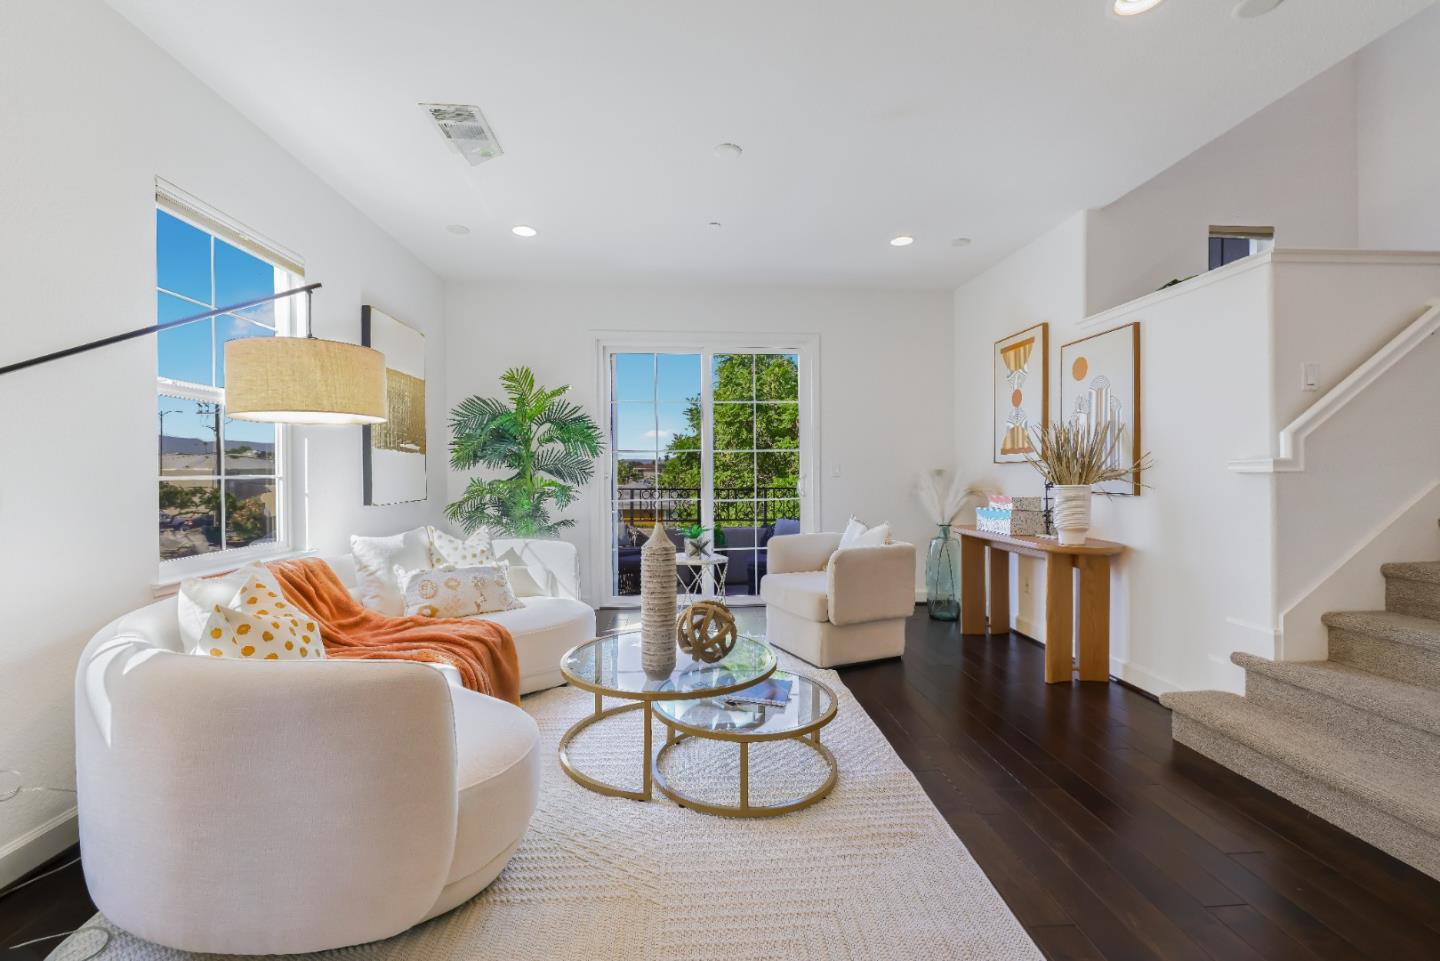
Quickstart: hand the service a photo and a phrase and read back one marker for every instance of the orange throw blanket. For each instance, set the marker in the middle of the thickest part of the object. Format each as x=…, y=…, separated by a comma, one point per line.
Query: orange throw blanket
x=483, y=651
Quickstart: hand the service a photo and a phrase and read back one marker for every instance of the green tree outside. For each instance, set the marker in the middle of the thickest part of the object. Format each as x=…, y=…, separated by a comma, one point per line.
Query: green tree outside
x=757, y=439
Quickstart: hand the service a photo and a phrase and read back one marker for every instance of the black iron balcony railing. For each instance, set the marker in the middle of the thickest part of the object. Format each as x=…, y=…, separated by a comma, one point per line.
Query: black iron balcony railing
x=734, y=506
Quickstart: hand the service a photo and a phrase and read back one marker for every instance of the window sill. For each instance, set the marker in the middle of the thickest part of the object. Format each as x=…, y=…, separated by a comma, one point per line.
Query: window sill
x=169, y=582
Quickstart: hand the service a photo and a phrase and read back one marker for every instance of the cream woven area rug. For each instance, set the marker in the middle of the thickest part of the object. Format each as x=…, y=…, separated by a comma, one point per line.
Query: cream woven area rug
x=871, y=873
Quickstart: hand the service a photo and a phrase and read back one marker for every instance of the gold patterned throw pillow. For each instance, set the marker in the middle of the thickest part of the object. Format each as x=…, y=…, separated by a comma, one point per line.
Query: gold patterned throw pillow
x=458, y=591
x=262, y=626
x=473, y=551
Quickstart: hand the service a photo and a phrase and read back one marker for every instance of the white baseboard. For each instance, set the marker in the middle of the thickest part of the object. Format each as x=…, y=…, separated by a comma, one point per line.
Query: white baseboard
x=38, y=845
x=1148, y=681
x=1035, y=630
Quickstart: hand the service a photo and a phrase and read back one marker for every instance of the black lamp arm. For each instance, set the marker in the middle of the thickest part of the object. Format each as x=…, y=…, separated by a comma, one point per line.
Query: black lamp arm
x=307, y=290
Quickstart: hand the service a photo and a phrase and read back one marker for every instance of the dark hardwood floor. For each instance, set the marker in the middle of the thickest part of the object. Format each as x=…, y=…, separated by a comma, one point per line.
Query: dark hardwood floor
x=1106, y=839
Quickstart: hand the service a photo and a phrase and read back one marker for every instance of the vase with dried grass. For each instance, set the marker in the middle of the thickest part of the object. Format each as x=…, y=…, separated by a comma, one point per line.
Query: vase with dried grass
x=942, y=561
x=1074, y=457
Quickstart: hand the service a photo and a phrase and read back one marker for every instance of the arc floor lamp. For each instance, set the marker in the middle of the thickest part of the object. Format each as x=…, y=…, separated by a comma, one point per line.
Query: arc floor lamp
x=282, y=380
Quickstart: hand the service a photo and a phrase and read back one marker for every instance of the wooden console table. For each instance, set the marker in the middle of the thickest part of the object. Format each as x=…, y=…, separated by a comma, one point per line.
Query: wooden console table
x=1093, y=561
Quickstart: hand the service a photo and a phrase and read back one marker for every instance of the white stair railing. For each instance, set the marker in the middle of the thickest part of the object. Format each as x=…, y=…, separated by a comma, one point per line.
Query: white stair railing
x=1291, y=447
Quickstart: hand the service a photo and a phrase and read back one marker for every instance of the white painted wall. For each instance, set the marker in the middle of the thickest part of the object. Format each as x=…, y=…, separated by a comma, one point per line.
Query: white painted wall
x=1377, y=453
x=1292, y=166
x=100, y=112
x=1166, y=623
x=1216, y=558
x=1196, y=582
x=1398, y=100
x=1347, y=158
x=885, y=378
x=1043, y=282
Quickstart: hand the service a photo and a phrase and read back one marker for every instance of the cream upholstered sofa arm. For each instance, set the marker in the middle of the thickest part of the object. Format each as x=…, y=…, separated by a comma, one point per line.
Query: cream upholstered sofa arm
x=789, y=553
x=554, y=563
x=871, y=583
x=325, y=791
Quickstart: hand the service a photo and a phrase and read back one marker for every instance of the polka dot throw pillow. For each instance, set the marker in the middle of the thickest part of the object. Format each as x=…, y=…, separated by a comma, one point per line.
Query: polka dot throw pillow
x=262, y=626
x=474, y=551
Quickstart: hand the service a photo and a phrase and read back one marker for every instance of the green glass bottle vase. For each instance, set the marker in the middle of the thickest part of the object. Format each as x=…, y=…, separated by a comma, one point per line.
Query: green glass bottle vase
x=942, y=576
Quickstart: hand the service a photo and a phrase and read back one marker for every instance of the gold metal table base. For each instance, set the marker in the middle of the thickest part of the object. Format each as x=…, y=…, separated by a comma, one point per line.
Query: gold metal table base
x=594, y=784
x=745, y=809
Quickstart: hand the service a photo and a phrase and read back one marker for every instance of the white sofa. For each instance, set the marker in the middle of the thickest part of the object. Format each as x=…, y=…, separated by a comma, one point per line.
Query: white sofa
x=549, y=624
x=834, y=607
x=236, y=807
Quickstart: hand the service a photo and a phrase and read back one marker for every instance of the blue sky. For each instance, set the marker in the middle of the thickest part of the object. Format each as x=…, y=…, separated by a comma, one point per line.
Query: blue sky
x=189, y=263
x=651, y=393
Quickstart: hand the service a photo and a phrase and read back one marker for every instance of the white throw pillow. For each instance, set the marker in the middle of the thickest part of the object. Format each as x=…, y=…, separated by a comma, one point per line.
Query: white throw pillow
x=199, y=596
x=853, y=529
x=459, y=591
x=473, y=551
x=375, y=561
x=262, y=626
x=525, y=582
x=876, y=536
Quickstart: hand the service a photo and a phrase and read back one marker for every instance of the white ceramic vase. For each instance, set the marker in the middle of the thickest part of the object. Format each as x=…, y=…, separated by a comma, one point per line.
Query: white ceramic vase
x=1072, y=513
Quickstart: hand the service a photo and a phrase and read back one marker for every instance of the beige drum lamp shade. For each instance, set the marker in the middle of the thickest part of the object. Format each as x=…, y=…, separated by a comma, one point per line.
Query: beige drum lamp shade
x=304, y=380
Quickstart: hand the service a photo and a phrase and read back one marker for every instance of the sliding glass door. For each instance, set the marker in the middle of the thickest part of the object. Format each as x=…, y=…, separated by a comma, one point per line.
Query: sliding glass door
x=714, y=439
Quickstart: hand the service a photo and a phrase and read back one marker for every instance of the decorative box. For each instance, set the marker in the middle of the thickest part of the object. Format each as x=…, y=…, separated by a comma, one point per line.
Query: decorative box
x=1027, y=516
x=1011, y=516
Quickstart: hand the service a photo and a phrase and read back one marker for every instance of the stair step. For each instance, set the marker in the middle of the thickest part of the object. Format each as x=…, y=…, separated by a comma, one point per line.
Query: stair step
x=1400, y=646
x=1426, y=572
x=1398, y=720
x=1413, y=588
x=1386, y=802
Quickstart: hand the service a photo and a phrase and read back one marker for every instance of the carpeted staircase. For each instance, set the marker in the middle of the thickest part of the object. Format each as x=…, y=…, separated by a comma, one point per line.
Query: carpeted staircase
x=1354, y=739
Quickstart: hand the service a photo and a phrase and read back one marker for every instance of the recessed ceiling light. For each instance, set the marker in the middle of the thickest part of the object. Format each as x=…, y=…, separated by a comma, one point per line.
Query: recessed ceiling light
x=521, y=230
x=1128, y=8
x=960, y=242
x=1249, y=9
x=458, y=230
x=904, y=240
x=729, y=151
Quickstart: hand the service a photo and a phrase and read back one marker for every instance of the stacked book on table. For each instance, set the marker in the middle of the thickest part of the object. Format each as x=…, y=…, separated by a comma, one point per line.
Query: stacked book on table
x=772, y=692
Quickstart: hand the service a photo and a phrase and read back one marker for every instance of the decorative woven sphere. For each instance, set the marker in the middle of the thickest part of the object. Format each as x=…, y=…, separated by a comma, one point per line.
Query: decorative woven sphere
x=706, y=630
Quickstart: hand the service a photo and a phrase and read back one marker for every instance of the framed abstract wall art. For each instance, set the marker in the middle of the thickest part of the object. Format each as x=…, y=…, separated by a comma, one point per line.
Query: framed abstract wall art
x=394, y=468
x=1022, y=391
x=1099, y=384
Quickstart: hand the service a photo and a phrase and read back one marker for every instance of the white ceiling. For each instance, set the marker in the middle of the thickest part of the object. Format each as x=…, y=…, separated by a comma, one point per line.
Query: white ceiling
x=860, y=119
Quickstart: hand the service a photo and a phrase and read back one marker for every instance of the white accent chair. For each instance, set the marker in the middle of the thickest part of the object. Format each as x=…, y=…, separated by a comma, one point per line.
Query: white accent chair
x=236, y=807
x=833, y=607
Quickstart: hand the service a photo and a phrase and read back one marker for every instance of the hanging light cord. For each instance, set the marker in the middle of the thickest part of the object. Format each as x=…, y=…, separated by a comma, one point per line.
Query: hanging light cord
x=105, y=935
x=10, y=794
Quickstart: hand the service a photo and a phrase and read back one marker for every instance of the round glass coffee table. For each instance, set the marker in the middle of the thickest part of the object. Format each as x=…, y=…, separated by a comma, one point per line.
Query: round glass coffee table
x=609, y=666
x=811, y=706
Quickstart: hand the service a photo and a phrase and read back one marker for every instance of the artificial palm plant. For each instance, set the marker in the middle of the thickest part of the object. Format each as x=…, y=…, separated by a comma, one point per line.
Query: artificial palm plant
x=547, y=444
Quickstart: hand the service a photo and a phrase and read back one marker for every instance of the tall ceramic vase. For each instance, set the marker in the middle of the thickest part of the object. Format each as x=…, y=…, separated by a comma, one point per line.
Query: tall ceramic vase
x=657, y=604
x=942, y=576
x=1072, y=513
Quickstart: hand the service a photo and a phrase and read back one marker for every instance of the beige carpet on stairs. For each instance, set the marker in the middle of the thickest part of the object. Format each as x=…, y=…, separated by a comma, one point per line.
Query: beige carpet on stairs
x=1354, y=739
x=871, y=873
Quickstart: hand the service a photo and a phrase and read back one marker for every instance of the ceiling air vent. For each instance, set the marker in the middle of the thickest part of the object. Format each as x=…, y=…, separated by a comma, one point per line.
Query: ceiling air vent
x=466, y=129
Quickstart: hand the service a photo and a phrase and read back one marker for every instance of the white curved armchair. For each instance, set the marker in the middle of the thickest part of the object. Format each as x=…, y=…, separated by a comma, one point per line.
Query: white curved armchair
x=835, y=607
x=246, y=807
